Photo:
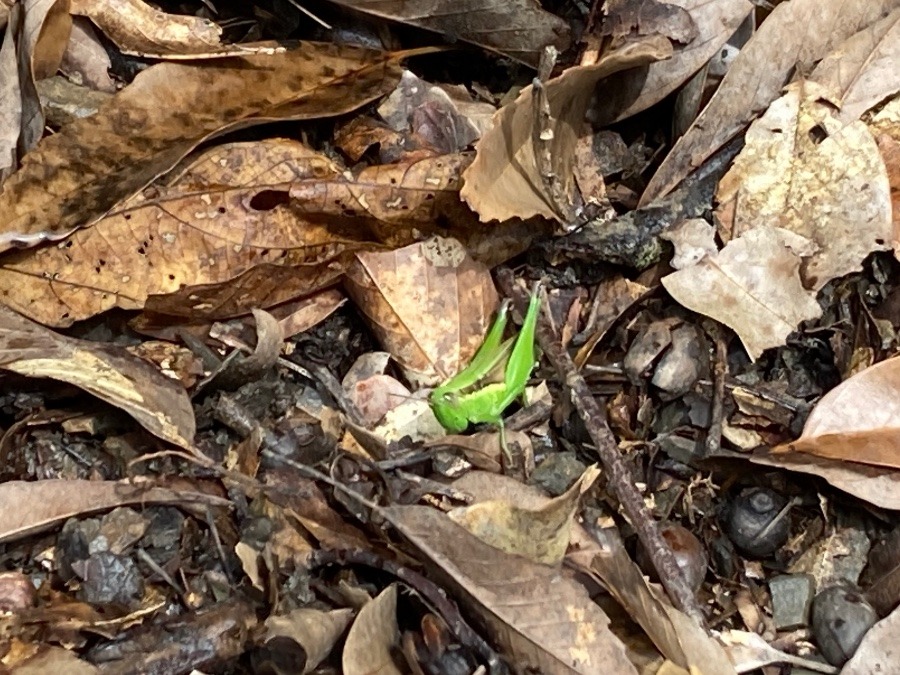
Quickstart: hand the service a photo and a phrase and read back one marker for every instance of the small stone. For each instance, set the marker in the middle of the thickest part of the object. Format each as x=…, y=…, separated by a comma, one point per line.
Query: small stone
x=792, y=596
x=841, y=617
x=557, y=472
x=109, y=578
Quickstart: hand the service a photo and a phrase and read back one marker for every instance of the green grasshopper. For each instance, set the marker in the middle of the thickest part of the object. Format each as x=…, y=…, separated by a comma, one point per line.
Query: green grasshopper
x=466, y=398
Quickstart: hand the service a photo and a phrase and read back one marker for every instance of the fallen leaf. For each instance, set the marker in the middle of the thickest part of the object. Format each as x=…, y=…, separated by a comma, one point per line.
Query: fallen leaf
x=526, y=27
x=137, y=28
x=505, y=180
x=315, y=631
x=540, y=535
x=75, y=177
x=752, y=286
x=429, y=304
x=693, y=239
x=857, y=421
x=630, y=92
x=110, y=373
x=803, y=170
x=756, y=76
x=36, y=506
x=749, y=651
x=85, y=60
x=863, y=70
x=540, y=616
x=373, y=637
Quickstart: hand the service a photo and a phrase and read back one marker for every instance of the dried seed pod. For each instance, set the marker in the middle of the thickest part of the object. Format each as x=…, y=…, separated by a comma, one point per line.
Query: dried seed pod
x=755, y=522
x=689, y=554
x=840, y=619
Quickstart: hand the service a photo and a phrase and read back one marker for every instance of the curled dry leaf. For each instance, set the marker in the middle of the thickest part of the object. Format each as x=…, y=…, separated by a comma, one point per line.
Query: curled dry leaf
x=429, y=304
x=757, y=75
x=75, y=177
x=857, y=421
x=373, y=637
x=158, y=403
x=752, y=286
x=526, y=27
x=137, y=28
x=314, y=630
x=505, y=180
x=803, y=170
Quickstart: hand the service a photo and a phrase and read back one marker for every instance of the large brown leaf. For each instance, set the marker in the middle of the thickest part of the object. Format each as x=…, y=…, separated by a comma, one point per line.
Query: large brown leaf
x=758, y=73
x=519, y=29
x=75, y=177
x=158, y=403
x=857, y=421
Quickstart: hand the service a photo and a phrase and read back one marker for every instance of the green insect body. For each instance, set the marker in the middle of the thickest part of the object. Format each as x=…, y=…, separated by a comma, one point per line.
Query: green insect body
x=466, y=398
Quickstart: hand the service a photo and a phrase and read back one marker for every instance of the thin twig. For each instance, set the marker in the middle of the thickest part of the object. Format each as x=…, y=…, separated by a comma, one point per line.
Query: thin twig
x=619, y=478
x=717, y=409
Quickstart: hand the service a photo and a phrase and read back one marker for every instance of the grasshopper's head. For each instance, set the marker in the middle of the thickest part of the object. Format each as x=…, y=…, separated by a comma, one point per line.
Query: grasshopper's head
x=446, y=408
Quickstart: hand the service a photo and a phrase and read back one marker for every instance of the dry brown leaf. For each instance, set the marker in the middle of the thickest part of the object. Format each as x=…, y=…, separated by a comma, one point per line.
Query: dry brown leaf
x=314, y=630
x=505, y=180
x=31, y=507
x=679, y=638
x=885, y=126
x=863, y=71
x=757, y=75
x=632, y=92
x=137, y=28
x=519, y=29
x=86, y=61
x=803, y=170
x=110, y=373
x=429, y=304
x=749, y=652
x=540, y=535
x=75, y=177
x=752, y=286
x=857, y=421
x=227, y=214
x=540, y=616
x=373, y=637
x=10, y=97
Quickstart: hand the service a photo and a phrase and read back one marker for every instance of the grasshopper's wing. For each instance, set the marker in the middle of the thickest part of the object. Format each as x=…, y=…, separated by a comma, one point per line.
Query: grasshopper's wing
x=485, y=359
x=521, y=360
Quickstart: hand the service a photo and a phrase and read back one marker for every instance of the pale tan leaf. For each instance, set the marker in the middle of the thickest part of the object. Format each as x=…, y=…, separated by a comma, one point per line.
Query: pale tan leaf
x=864, y=70
x=110, y=373
x=519, y=29
x=75, y=177
x=540, y=535
x=429, y=303
x=757, y=75
x=86, y=61
x=752, y=285
x=857, y=421
x=36, y=506
x=630, y=92
x=137, y=28
x=541, y=617
x=373, y=636
x=505, y=180
x=803, y=170
x=314, y=630
x=879, y=650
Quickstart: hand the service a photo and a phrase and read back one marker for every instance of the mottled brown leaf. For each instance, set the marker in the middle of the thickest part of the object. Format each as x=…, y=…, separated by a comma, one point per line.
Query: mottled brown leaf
x=519, y=29
x=110, y=373
x=429, y=304
x=75, y=177
x=757, y=75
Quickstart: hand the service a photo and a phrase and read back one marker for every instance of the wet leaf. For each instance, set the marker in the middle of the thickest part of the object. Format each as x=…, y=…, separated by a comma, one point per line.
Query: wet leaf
x=158, y=403
x=75, y=177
